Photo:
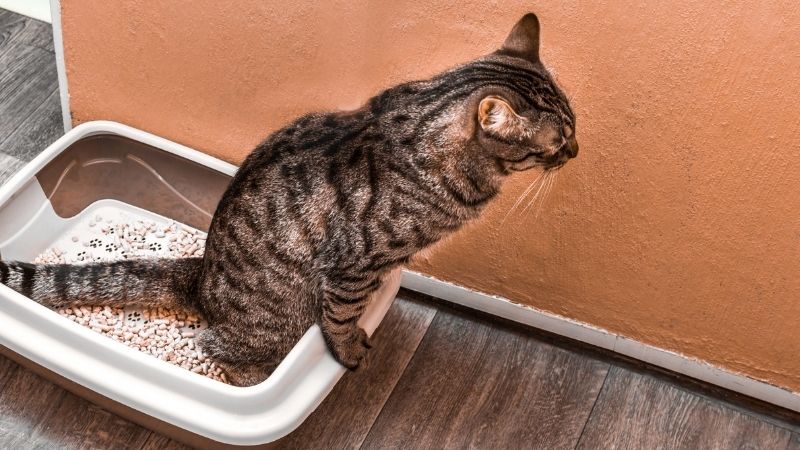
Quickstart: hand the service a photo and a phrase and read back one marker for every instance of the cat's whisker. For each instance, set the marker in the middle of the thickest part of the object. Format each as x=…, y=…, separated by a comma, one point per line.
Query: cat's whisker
x=522, y=197
x=548, y=187
x=527, y=192
x=533, y=198
x=552, y=181
x=537, y=206
x=538, y=191
x=574, y=94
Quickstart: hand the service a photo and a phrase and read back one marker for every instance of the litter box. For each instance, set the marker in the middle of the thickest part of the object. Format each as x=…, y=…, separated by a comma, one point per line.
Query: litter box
x=109, y=167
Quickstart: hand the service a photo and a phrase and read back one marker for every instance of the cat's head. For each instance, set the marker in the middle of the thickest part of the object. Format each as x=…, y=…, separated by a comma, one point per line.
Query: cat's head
x=524, y=119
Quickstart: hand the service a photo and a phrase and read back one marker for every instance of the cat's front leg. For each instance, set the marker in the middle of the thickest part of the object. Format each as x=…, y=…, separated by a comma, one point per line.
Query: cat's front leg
x=339, y=322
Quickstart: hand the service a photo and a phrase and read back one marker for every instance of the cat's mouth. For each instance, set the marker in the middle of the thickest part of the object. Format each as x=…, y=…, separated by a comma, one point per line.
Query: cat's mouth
x=529, y=161
x=533, y=160
x=523, y=165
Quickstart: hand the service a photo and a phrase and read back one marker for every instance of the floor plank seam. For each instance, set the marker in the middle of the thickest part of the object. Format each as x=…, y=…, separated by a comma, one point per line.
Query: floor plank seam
x=405, y=368
x=715, y=395
x=594, y=405
x=146, y=442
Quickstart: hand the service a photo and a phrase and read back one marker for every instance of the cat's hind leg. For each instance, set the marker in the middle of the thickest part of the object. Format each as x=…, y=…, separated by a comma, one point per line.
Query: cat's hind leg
x=245, y=361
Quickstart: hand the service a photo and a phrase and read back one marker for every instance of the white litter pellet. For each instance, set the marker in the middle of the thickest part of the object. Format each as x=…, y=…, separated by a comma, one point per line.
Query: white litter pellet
x=159, y=332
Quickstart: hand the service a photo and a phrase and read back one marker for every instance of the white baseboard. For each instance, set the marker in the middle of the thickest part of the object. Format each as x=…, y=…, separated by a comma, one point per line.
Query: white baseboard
x=589, y=334
x=38, y=9
x=61, y=68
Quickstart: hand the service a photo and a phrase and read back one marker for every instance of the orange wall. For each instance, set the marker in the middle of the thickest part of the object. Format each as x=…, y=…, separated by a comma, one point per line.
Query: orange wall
x=679, y=223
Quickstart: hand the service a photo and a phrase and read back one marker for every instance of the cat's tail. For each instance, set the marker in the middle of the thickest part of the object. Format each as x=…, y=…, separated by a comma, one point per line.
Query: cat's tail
x=135, y=282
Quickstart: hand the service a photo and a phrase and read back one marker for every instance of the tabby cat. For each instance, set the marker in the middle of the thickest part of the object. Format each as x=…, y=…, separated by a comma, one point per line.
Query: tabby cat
x=325, y=207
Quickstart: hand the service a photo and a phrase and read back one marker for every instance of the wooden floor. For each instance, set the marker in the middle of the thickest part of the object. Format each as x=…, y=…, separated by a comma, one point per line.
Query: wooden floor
x=437, y=377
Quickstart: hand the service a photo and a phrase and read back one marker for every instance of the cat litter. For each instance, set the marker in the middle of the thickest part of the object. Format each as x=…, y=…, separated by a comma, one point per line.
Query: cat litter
x=165, y=334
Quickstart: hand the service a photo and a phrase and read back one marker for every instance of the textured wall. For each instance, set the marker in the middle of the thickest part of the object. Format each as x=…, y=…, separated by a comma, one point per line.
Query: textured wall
x=678, y=224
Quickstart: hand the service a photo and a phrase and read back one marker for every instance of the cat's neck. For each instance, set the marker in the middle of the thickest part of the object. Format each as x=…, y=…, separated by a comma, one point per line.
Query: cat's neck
x=466, y=169
x=464, y=177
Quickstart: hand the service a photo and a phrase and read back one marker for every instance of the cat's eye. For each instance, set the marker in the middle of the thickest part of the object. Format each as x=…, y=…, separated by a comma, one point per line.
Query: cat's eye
x=568, y=131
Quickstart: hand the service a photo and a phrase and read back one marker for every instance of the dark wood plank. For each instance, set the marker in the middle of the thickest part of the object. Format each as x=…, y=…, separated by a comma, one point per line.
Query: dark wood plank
x=160, y=442
x=637, y=410
x=347, y=414
x=9, y=27
x=7, y=367
x=32, y=32
x=25, y=403
x=8, y=167
x=79, y=424
x=35, y=413
x=27, y=78
x=36, y=132
x=480, y=384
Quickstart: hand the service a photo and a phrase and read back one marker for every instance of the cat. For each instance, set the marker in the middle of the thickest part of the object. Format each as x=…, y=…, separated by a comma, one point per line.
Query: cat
x=326, y=206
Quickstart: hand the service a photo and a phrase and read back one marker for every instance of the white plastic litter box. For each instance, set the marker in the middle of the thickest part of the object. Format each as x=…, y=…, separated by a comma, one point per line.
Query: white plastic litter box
x=113, y=167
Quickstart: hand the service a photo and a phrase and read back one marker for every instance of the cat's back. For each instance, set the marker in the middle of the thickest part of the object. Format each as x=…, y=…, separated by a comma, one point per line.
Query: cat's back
x=301, y=174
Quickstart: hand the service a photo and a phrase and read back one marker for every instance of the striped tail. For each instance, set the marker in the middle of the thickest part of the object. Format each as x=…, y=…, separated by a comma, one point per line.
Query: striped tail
x=143, y=282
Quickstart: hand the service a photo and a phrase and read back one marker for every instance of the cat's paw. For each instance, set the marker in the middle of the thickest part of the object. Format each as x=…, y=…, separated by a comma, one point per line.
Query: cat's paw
x=350, y=349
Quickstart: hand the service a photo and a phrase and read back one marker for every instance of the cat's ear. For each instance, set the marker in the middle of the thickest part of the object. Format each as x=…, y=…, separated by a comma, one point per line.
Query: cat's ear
x=497, y=117
x=523, y=41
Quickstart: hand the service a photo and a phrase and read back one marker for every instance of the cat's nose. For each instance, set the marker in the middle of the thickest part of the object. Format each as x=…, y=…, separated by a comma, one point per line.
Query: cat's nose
x=572, y=147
